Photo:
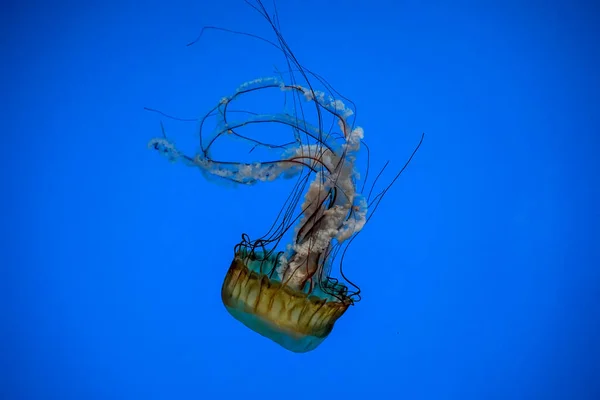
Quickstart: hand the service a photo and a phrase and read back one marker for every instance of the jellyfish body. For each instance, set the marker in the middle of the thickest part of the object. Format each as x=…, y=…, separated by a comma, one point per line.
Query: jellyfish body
x=289, y=295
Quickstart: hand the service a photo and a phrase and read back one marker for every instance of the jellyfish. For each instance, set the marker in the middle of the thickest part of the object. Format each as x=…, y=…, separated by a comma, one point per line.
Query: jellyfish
x=287, y=292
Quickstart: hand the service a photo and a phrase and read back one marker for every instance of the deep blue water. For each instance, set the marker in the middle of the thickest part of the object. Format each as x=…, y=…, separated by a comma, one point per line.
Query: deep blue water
x=479, y=273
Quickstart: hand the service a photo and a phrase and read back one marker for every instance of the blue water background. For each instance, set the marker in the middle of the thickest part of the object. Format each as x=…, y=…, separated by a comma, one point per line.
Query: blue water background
x=479, y=273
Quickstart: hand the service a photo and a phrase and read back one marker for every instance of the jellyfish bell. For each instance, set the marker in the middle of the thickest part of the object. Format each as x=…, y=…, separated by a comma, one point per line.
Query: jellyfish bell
x=287, y=293
x=297, y=319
